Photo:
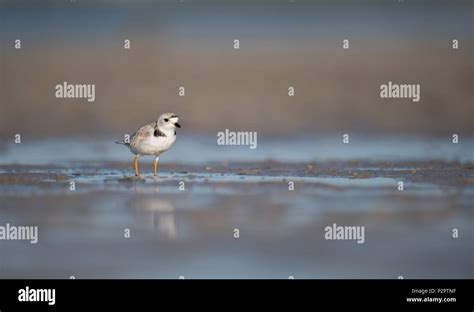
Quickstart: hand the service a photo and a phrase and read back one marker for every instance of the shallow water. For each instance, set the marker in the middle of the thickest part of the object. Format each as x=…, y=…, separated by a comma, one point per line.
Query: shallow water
x=194, y=149
x=190, y=232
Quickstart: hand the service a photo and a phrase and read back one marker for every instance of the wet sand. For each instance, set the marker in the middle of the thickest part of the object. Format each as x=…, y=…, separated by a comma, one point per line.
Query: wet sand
x=190, y=232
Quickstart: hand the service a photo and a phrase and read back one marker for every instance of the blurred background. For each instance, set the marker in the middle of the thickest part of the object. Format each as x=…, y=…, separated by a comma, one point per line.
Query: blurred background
x=282, y=44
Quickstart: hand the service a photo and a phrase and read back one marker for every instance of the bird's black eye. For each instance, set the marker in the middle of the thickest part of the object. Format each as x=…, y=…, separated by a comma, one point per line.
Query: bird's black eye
x=166, y=119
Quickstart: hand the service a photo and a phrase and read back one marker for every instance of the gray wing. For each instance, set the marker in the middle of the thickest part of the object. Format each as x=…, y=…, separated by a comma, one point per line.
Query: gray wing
x=142, y=133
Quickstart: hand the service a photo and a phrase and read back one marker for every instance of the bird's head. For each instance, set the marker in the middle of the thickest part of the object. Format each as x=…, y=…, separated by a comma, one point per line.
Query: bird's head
x=168, y=121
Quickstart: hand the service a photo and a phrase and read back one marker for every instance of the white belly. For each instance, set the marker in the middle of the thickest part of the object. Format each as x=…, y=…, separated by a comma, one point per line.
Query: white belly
x=153, y=145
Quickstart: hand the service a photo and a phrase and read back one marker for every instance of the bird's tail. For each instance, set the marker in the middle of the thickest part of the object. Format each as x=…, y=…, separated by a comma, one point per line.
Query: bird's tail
x=122, y=143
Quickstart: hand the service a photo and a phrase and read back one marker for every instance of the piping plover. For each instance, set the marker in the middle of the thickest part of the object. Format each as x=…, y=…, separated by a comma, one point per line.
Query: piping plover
x=153, y=139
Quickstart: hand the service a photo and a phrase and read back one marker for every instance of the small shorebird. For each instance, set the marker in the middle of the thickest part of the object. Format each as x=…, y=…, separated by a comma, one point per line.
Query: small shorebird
x=153, y=139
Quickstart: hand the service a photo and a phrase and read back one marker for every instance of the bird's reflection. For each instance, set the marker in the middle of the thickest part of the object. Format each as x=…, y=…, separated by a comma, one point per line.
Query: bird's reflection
x=156, y=214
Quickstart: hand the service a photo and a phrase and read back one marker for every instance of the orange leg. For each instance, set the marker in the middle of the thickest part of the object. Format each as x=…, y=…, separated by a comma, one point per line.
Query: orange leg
x=135, y=161
x=155, y=165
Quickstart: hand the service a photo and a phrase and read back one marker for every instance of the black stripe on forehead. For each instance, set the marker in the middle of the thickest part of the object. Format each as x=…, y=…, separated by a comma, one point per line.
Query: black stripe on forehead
x=173, y=116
